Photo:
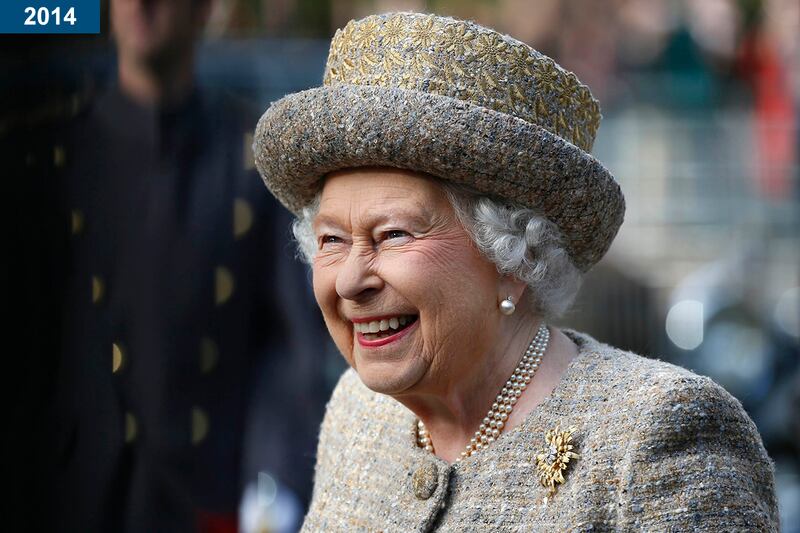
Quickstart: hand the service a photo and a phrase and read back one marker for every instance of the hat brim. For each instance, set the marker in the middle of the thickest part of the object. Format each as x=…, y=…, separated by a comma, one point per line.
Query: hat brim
x=306, y=135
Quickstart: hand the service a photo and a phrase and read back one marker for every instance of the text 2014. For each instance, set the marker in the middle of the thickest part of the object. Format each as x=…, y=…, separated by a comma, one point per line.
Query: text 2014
x=44, y=16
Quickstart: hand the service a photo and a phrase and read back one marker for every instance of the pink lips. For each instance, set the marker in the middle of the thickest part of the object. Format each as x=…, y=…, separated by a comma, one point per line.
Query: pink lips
x=385, y=340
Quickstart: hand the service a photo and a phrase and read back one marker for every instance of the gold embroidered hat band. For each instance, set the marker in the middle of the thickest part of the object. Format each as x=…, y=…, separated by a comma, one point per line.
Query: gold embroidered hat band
x=455, y=100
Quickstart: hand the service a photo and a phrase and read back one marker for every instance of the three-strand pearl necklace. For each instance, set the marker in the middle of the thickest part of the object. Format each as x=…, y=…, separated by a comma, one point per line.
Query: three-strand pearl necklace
x=496, y=418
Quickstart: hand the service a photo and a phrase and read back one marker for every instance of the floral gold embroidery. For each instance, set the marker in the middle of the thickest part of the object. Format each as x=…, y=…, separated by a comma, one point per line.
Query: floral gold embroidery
x=369, y=60
x=593, y=124
x=331, y=74
x=542, y=113
x=577, y=136
x=561, y=124
x=420, y=67
x=423, y=34
x=420, y=61
x=487, y=83
x=347, y=32
x=521, y=62
x=348, y=65
x=407, y=81
x=566, y=96
x=458, y=39
x=366, y=33
x=392, y=61
x=518, y=103
x=588, y=112
x=555, y=459
x=333, y=55
x=332, y=70
x=454, y=73
x=546, y=75
x=461, y=60
x=490, y=48
x=393, y=31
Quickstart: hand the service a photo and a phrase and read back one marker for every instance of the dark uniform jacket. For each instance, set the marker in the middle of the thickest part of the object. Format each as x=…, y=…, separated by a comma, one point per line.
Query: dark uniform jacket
x=182, y=297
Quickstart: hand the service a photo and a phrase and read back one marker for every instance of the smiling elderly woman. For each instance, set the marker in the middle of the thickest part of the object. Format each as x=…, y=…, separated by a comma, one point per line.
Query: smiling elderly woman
x=449, y=205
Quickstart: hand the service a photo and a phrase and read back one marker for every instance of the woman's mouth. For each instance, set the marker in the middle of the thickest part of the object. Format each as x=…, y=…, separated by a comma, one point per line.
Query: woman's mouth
x=384, y=330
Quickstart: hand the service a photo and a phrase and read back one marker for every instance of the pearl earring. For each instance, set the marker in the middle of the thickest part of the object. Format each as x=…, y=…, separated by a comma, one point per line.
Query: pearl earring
x=507, y=306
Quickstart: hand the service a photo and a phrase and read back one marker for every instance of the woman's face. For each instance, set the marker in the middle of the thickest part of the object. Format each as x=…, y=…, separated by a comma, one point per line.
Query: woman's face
x=407, y=298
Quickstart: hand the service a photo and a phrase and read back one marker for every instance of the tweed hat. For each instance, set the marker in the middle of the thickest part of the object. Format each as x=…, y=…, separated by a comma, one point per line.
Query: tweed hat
x=452, y=99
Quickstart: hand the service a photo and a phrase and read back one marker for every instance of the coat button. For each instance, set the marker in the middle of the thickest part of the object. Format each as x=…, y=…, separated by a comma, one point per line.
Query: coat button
x=249, y=162
x=117, y=357
x=59, y=156
x=131, y=428
x=242, y=218
x=98, y=289
x=223, y=285
x=425, y=480
x=76, y=222
x=199, y=425
x=209, y=355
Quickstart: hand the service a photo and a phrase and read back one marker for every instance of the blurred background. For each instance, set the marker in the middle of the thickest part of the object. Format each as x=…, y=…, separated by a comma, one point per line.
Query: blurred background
x=700, y=128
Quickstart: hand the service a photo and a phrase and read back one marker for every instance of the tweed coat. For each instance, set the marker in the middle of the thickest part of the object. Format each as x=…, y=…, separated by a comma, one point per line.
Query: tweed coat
x=661, y=449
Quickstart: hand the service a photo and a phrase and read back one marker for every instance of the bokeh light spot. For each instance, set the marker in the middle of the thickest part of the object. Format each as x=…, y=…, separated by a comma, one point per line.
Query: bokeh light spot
x=685, y=324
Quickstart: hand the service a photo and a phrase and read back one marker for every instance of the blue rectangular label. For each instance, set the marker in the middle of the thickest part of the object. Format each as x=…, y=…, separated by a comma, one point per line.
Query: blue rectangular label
x=49, y=16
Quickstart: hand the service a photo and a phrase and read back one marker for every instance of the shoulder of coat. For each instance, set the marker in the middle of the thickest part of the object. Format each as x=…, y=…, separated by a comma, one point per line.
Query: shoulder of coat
x=624, y=373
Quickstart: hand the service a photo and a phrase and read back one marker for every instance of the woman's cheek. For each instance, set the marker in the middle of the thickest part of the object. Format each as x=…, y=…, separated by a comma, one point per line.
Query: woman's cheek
x=341, y=330
x=343, y=338
x=324, y=284
x=429, y=258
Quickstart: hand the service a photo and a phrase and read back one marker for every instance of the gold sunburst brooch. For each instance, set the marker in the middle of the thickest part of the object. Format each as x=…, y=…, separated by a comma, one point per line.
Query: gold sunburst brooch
x=554, y=461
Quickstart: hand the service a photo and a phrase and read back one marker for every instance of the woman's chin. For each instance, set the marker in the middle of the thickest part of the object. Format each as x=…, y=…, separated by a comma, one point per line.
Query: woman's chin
x=390, y=377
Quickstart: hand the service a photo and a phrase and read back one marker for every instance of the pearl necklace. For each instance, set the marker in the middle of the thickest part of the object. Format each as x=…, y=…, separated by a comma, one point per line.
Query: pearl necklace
x=496, y=418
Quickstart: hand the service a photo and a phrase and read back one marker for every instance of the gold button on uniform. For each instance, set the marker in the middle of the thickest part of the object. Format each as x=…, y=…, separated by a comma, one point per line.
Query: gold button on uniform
x=76, y=222
x=131, y=428
x=242, y=217
x=199, y=425
x=209, y=355
x=424, y=481
x=98, y=289
x=59, y=156
x=224, y=285
x=247, y=151
x=117, y=357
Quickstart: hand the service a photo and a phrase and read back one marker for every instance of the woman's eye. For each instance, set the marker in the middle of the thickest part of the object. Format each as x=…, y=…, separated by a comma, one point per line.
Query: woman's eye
x=329, y=239
x=395, y=234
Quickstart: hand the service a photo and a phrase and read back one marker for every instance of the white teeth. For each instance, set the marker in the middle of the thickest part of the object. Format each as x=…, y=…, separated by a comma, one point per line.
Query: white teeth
x=382, y=325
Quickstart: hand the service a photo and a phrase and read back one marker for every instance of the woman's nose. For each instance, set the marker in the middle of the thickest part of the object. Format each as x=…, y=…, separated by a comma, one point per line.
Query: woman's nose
x=357, y=279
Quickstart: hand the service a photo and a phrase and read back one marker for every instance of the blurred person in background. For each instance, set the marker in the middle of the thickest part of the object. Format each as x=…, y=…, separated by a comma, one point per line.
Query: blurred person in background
x=182, y=299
